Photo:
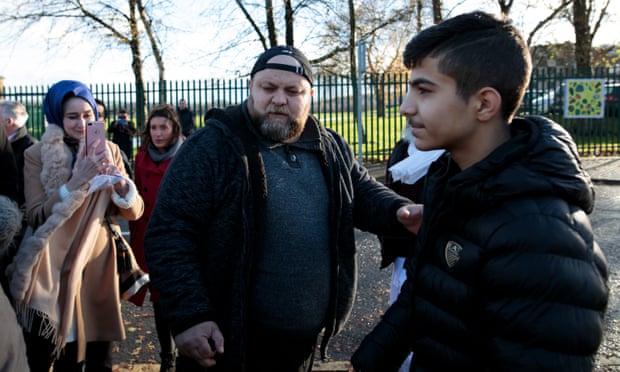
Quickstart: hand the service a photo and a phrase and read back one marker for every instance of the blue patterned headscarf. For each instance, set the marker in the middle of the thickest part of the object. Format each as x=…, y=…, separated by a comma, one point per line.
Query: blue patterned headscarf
x=58, y=93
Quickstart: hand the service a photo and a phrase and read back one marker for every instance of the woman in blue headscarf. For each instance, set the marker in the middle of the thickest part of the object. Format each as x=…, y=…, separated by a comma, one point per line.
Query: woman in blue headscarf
x=64, y=278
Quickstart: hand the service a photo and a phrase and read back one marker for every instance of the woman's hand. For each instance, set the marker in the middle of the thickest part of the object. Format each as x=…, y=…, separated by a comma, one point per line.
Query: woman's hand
x=121, y=188
x=87, y=166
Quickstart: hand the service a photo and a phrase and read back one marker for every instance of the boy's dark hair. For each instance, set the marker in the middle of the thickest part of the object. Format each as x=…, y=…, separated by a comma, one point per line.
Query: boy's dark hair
x=477, y=50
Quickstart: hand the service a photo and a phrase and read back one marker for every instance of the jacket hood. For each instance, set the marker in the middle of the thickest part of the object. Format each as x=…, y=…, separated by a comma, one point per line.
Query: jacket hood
x=541, y=159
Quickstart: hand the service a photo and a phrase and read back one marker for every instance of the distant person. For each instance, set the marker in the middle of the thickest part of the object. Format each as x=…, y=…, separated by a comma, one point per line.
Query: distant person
x=161, y=140
x=12, y=346
x=64, y=278
x=102, y=110
x=8, y=188
x=103, y=115
x=251, y=242
x=187, y=118
x=9, y=182
x=13, y=116
x=123, y=130
x=506, y=275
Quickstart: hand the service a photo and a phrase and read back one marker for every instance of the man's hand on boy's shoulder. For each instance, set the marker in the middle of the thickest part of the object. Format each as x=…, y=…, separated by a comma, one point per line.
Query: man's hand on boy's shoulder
x=410, y=216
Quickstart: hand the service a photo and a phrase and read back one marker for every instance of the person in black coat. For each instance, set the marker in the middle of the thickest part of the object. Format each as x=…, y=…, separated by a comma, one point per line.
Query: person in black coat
x=123, y=131
x=12, y=345
x=186, y=116
x=13, y=116
x=8, y=188
x=103, y=116
x=506, y=274
x=251, y=242
x=8, y=168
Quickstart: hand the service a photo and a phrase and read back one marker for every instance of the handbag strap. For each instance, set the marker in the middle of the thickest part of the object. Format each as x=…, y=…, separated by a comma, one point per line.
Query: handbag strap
x=123, y=258
x=114, y=232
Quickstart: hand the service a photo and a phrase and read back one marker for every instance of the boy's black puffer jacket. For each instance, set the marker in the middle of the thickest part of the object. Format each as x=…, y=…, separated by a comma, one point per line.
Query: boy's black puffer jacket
x=507, y=275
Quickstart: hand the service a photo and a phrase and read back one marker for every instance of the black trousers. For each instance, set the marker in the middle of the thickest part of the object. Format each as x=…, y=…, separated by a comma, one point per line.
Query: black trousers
x=267, y=350
x=39, y=352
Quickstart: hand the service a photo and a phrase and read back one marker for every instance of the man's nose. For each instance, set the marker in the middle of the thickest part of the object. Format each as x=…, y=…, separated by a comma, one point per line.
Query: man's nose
x=279, y=98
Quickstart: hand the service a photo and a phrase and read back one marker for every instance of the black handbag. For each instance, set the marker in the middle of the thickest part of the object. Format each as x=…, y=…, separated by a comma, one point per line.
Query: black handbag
x=131, y=278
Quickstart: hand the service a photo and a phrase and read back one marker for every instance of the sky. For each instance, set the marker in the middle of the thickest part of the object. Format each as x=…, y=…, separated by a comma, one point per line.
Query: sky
x=190, y=52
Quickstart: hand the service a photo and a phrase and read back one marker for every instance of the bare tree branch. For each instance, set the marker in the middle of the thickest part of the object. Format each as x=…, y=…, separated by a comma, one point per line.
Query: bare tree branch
x=540, y=25
x=146, y=22
x=601, y=17
x=248, y=16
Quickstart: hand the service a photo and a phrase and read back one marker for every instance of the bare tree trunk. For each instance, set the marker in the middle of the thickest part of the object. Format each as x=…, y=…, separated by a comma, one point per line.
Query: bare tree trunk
x=255, y=27
x=582, y=48
x=437, y=16
x=352, y=45
x=136, y=64
x=353, y=62
x=146, y=21
x=583, y=44
x=418, y=16
x=289, y=19
x=271, y=24
x=504, y=6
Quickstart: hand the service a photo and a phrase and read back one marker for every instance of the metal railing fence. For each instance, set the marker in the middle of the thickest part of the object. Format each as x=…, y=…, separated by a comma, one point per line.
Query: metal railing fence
x=334, y=104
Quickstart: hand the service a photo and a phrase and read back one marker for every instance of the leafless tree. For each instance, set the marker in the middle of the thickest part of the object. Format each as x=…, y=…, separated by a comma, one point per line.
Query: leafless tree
x=586, y=21
x=113, y=24
x=271, y=23
x=289, y=20
x=556, y=13
x=271, y=20
x=586, y=17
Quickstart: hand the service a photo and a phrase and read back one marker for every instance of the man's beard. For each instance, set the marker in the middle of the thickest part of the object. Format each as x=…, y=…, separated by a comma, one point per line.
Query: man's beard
x=280, y=129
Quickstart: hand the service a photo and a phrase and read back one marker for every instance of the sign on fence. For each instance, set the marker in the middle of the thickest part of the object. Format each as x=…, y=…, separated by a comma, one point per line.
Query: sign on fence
x=584, y=98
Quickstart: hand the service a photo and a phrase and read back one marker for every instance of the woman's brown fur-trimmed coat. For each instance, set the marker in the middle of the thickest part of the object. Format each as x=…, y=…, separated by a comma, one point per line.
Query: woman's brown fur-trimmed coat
x=65, y=271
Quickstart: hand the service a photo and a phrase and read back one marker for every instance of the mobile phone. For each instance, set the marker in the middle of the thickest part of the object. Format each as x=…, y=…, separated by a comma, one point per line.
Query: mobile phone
x=95, y=131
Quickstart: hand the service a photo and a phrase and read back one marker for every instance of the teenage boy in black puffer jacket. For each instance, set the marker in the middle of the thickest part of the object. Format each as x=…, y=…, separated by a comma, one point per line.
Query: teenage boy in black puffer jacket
x=506, y=275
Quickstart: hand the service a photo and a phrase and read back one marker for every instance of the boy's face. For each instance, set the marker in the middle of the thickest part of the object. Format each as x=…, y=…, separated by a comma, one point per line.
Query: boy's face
x=438, y=117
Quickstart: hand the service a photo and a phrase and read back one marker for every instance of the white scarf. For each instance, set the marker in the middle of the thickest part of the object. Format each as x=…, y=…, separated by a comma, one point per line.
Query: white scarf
x=415, y=166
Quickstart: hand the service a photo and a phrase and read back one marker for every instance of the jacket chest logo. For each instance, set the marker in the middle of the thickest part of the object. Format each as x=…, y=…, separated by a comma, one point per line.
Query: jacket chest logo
x=452, y=253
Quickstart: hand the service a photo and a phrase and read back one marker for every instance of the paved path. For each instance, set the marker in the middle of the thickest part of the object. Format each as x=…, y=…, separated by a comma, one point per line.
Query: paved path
x=603, y=169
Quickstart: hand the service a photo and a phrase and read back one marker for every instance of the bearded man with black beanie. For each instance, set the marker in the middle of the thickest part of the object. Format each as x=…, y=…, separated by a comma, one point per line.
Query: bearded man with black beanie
x=251, y=242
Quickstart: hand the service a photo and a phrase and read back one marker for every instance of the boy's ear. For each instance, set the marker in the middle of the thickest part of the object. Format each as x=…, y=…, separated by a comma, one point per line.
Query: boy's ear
x=488, y=103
